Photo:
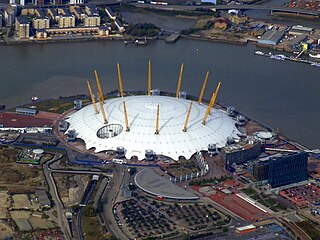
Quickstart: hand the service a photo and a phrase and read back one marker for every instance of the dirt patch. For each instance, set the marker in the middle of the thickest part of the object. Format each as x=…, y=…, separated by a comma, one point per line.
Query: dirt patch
x=21, y=201
x=5, y=230
x=4, y=204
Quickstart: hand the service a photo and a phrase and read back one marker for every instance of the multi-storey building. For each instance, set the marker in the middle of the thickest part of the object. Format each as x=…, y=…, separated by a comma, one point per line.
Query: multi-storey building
x=288, y=169
x=22, y=28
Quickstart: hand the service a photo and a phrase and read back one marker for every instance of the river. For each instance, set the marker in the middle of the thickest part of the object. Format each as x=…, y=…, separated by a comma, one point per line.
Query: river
x=277, y=93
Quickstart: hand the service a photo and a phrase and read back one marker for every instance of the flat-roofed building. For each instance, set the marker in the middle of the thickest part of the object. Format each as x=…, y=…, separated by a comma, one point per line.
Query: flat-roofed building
x=241, y=152
x=26, y=111
x=22, y=28
x=300, y=30
x=287, y=169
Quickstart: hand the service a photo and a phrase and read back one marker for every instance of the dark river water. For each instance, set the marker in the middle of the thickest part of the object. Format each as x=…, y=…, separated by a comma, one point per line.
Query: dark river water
x=280, y=94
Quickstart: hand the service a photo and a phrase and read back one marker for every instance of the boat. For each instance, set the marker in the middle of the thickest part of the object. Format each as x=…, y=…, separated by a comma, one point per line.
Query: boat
x=128, y=42
x=314, y=55
x=34, y=98
x=278, y=57
x=259, y=53
x=316, y=64
x=141, y=42
x=2, y=106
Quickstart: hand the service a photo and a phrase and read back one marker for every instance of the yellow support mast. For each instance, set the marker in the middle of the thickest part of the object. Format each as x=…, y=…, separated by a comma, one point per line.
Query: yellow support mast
x=157, y=120
x=120, y=80
x=212, y=101
x=102, y=110
x=203, y=88
x=101, y=98
x=149, y=78
x=179, y=81
x=187, y=119
x=126, y=116
x=92, y=98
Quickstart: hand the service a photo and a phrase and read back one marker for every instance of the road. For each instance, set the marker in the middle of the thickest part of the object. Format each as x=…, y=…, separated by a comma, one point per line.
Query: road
x=48, y=171
x=227, y=7
x=109, y=198
x=62, y=220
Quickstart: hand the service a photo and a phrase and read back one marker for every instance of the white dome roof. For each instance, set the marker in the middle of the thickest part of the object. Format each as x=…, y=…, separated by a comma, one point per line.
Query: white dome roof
x=141, y=110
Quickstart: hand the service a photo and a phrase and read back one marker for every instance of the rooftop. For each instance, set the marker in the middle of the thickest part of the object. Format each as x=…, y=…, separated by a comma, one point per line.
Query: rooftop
x=141, y=110
x=151, y=182
x=272, y=35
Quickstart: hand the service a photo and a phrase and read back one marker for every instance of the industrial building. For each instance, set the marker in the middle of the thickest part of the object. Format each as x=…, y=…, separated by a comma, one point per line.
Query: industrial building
x=168, y=126
x=299, y=30
x=271, y=37
x=22, y=28
x=288, y=169
x=43, y=199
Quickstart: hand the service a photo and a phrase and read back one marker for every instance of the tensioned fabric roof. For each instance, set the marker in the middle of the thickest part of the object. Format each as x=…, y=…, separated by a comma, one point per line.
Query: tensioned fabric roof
x=171, y=140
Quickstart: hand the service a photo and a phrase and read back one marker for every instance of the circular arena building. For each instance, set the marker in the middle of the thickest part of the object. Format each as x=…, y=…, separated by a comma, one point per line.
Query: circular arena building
x=133, y=127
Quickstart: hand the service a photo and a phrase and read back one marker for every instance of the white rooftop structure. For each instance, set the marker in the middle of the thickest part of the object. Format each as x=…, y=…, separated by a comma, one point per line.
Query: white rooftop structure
x=171, y=140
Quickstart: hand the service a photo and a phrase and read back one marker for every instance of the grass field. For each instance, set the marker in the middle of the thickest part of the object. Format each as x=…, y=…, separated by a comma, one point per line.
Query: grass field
x=266, y=201
x=92, y=229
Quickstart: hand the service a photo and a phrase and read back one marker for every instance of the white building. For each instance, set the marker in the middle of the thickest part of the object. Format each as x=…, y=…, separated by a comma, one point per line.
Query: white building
x=141, y=110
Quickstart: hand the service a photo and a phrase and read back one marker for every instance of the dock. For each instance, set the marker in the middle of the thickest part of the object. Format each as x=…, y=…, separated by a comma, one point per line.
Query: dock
x=173, y=38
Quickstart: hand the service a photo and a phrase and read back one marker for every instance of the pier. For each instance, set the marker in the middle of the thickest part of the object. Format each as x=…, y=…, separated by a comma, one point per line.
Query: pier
x=173, y=38
x=291, y=58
